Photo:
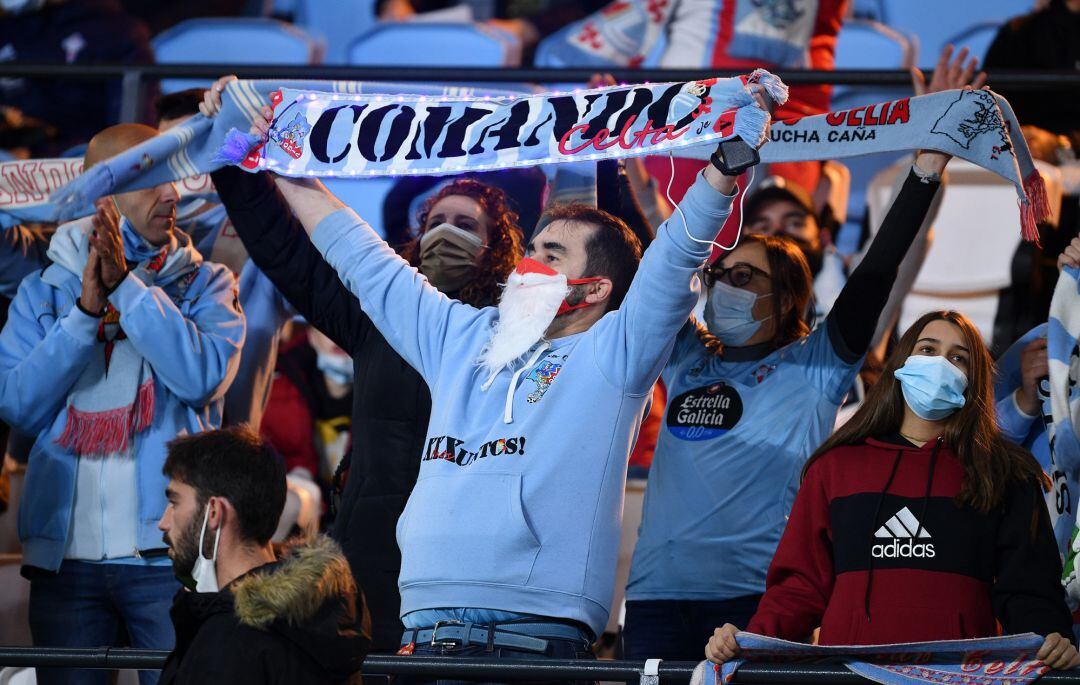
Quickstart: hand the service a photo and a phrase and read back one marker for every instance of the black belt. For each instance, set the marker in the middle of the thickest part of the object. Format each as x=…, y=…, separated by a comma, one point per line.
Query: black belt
x=524, y=636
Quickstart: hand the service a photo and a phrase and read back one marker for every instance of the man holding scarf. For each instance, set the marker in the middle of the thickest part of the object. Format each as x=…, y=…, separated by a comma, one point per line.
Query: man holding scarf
x=510, y=536
x=127, y=340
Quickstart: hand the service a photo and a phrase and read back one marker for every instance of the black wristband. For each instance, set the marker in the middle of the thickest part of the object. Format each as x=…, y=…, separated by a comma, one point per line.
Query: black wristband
x=110, y=291
x=84, y=310
x=734, y=156
x=718, y=163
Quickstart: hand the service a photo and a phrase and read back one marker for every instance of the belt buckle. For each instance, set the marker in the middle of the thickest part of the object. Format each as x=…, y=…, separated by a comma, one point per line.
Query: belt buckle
x=443, y=644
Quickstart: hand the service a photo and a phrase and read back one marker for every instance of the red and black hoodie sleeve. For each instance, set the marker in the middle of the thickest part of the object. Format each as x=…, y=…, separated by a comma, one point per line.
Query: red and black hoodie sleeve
x=800, y=578
x=1027, y=594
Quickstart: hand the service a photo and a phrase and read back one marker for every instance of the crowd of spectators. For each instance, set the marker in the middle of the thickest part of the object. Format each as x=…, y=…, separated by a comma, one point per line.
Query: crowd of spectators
x=244, y=426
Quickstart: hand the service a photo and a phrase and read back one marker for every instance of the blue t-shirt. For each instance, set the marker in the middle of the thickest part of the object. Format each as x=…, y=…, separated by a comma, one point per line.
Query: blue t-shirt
x=727, y=464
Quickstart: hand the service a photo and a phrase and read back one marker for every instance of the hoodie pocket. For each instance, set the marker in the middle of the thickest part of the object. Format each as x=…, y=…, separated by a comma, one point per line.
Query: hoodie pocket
x=891, y=624
x=468, y=528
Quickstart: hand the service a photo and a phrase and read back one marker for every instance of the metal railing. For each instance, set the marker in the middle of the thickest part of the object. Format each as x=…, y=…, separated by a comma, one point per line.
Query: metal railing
x=135, y=77
x=761, y=673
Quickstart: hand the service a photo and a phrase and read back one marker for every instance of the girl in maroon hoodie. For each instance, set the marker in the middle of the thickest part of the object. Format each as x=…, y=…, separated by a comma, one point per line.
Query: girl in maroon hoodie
x=916, y=520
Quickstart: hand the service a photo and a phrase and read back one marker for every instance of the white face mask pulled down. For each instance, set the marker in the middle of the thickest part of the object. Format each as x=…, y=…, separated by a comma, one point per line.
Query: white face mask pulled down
x=204, y=572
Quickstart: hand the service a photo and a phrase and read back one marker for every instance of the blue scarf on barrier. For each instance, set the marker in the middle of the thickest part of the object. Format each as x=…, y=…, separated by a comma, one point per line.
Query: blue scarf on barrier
x=1006, y=660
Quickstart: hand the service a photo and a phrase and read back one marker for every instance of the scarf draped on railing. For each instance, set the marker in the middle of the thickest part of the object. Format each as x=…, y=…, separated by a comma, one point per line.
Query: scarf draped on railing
x=1009, y=660
x=362, y=130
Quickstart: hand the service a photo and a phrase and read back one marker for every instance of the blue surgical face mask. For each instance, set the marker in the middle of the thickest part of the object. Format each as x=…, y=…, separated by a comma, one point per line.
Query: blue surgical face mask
x=337, y=367
x=729, y=313
x=933, y=388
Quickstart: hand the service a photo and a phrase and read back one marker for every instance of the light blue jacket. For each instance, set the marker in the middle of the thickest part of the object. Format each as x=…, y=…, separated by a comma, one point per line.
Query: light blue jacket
x=193, y=349
x=518, y=505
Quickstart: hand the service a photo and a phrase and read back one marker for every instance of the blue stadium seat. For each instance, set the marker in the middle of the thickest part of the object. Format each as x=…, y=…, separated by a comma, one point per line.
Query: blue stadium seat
x=867, y=9
x=338, y=22
x=865, y=44
x=232, y=41
x=433, y=44
x=364, y=195
x=935, y=22
x=977, y=38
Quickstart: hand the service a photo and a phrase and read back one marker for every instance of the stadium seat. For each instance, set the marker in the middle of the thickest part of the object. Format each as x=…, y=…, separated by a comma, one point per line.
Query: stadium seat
x=232, y=41
x=865, y=44
x=434, y=44
x=337, y=22
x=935, y=23
x=866, y=9
x=976, y=236
x=365, y=196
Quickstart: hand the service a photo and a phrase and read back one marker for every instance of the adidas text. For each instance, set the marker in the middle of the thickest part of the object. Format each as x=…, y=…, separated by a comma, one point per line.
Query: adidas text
x=903, y=549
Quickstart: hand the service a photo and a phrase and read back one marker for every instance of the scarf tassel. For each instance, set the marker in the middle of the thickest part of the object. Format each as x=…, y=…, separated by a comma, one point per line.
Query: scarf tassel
x=103, y=433
x=1035, y=207
x=236, y=147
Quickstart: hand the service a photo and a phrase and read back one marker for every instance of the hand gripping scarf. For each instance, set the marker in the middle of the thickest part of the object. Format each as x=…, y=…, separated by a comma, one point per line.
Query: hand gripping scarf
x=329, y=129
x=1007, y=660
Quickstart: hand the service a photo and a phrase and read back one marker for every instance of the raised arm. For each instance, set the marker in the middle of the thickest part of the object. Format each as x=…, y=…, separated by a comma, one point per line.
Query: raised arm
x=277, y=243
x=416, y=319
x=615, y=194
x=664, y=291
x=854, y=316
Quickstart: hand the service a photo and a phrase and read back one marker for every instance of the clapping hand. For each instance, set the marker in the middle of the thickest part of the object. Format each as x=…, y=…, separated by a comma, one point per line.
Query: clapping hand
x=105, y=240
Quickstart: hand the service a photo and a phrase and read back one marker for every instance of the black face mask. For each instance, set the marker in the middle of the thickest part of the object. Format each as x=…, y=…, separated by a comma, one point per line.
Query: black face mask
x=815, y=256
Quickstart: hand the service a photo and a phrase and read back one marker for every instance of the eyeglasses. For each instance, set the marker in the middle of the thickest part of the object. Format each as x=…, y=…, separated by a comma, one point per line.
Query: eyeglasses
x=739, y=274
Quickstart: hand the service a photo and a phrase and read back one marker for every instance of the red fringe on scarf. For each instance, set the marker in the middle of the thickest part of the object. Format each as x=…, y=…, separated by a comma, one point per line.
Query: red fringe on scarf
x=1035, y=209
x=103, y=433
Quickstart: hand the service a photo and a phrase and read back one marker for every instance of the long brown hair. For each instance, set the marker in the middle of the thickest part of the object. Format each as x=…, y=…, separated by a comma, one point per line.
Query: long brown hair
x=991, y=463
x=792, y=286
x=504, y=240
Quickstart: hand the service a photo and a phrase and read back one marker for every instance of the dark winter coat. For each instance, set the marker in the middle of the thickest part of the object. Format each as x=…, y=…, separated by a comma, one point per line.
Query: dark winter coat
x=291, y=622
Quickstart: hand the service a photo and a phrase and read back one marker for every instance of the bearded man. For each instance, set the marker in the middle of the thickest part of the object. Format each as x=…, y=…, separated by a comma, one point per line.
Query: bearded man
x=246, y=616
x=509, y=540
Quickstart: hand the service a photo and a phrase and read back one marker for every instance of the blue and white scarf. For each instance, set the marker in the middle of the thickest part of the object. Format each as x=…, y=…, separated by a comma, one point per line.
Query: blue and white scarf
x=1008, y=660
x=332, y=129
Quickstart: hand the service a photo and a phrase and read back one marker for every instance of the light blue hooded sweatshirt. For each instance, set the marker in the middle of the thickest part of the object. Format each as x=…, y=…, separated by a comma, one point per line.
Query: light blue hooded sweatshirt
x=193, y=348
x=518, y=505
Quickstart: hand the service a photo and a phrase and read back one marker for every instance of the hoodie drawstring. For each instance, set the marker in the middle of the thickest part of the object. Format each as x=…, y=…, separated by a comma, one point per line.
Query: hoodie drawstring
x=508, y=409
x=929, y=484
x=873, y=526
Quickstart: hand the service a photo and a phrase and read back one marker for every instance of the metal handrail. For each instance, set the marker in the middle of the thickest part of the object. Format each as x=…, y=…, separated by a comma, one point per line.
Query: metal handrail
x=751, y=673
x=134, y=77
x=1011, y=79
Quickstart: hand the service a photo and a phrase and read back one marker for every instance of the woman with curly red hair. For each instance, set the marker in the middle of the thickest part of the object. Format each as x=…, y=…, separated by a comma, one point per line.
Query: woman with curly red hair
x=469, y=241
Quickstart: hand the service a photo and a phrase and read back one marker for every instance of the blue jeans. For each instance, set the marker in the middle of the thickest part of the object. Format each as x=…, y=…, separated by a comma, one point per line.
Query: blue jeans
x=94, y=605
x=677, y=630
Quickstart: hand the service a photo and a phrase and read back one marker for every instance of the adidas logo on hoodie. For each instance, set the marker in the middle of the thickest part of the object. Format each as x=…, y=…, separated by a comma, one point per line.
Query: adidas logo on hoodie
x=902, y=532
